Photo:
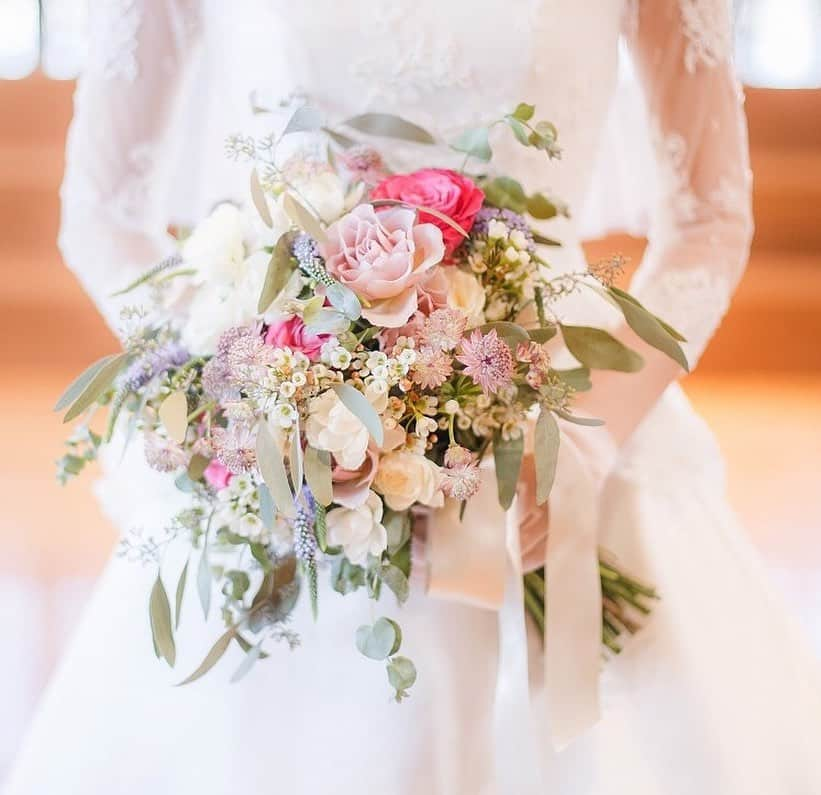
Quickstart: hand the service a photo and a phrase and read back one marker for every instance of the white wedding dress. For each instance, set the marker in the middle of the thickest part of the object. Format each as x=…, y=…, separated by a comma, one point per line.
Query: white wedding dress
x=716, y=696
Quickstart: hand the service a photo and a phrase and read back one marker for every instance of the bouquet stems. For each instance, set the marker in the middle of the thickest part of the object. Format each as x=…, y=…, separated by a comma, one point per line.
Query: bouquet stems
x=624, y=601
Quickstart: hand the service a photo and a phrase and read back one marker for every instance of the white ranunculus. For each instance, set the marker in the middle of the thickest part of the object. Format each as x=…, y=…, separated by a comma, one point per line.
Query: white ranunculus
x=215, y=247
x=465, y=293
x=332, y=427
x=322, y=192
x=359, y=531
x=404, y=477
x=220, y=304
x=259, y=233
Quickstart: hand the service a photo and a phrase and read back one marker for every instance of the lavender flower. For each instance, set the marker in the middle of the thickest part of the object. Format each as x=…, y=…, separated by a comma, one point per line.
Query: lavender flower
x=153, y=363
x=306, y=252
x=303, y=526
x=508, y=217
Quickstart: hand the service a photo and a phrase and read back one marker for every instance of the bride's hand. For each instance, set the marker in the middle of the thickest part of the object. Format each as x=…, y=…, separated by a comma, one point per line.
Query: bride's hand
x=534, y=519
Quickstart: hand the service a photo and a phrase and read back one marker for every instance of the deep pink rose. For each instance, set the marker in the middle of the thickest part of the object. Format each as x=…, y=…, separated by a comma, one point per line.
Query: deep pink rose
x=291, y=333
x=383, y=258
x=217, y=475
x=440, y=189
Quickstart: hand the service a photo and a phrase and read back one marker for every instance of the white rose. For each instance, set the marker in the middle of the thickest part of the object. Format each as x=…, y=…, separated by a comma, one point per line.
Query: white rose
x=259, y=233
x=220, y=304
x=466, y=294
x=359, y=531
x=323, y=193
x=332, y=427
x=215, y=247
x=404, y=478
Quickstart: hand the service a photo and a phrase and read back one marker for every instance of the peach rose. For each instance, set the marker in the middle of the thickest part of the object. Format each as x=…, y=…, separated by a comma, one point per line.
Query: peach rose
x=383, y=258
x=351, y=486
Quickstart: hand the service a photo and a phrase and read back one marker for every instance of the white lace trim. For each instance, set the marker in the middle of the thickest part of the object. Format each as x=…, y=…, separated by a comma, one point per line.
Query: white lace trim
x=136, y=192
x=706, y=24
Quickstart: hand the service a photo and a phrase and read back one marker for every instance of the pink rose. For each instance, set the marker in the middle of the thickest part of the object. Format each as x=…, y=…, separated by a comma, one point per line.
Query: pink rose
x=383, y=258
x=291, y=333
x=351, y=486
x=440, y=189
x=217, y=475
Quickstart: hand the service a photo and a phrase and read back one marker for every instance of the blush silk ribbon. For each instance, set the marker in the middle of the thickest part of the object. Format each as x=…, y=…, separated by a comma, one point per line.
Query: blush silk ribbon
x=477, y=561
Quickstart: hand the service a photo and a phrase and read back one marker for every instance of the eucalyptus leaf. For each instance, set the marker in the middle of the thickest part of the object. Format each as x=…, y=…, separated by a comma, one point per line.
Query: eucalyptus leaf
x=76, y=387
x=598, y=350
x=511, y=333
x=180, y=593
x=272, y=467
x=360, y=407
x=545, y=453
x=197, y=466
x=96, y=385
x=519, y=130
x=266, y=506
x=303, y=218
x=676, y=335
x=345, y=141
x=387, y=125
x=318, y=474
x=422, y=208
x=295, y=459
x=543, y=334
x=173, y=413
x=507, y=193
x=578, y=378
x=648, y=327
x=507, y=455
x=539, y=206
x=204, y=582
x=589, y=422
x=344, y=299
x=396, y=580
x=260, y=202
x=545, y=241
x=278, y=273
x=380, y=640
x=474, y=142
x=327, y=321
x=398, y=527
x=524, y=112
x=251, y=657
x=401, y=674
x=305, y=119
x=160, y=614
x=212, y=658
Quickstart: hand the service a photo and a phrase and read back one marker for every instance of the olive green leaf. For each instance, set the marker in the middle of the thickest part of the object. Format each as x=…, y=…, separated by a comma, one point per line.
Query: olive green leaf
x=266, y=506
x=94, y=386
x=519, y=130
x=272, y=467
x=303, y=217
x=344, y=299
x=387, y=125
x=305, y=119
x=401, y=675
x=543, y=334
x=545, y=453
x=507, y=455
x=159, y=611
x=524, y=112
x=318, y=474
x=475, y=143
x=204, y=582
x=278, y=273
x=339, y=138
x=173, y=415
x=598, y=350
x=197, y=466
x=76, y=387
x=295, y=459
x=260, y=202
x=248, y=662
x=545, y=241
x=506, y=193
x=539, y=206
x=398, y=526
x=179, y=595
x=212, y=658
x=590, y=422
x=442, y=217
x=360, y=407
x=396, y=580
x=511, y=333
x=578, y=378
x=648, y=327
x=380, y=640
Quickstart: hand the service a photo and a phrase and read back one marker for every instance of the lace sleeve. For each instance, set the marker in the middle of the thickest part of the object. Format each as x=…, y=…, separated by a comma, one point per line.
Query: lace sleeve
x=702, y=225
x=117, y=157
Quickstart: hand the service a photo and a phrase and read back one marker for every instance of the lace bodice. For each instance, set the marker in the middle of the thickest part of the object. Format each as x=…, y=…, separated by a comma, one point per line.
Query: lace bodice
x=167, y=81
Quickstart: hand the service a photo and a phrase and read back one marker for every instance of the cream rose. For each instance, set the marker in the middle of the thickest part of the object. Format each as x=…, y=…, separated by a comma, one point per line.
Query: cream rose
x=215, y=247
x=359, y=531
x=332, y=427
x=466, y=294
x=404, y=478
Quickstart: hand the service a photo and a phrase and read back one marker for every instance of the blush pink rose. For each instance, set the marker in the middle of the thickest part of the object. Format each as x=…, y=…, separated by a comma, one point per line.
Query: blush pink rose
x=217, y=475
x=351, y=486
x=383, y=258
x=291, y=333
x=441, y=189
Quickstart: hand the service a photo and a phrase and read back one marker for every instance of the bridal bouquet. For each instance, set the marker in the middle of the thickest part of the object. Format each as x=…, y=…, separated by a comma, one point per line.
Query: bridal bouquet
x=317, y=368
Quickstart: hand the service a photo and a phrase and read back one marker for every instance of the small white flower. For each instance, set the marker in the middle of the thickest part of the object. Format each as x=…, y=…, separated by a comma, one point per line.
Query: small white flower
x=299, y=378
x=408, y=356
x=284, y=414
x=519, y=239
x=287, y=389
x=340, y=358
x=251, y=527
x=359, y=531
x=376, y=359
x=425, y=426
x=496, y=230
x=511, y=255
x=524, y=257
x=451, y=406
x=379, y=371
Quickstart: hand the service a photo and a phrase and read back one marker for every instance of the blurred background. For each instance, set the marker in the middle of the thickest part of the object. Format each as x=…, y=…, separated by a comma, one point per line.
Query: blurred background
x=759, y=385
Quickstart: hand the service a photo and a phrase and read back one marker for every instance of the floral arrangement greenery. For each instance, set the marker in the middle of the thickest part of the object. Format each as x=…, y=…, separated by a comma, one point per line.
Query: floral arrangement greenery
x=317, y=367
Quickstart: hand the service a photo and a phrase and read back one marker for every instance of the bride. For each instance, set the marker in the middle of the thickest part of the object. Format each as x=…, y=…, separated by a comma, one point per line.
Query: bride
x=716, y=695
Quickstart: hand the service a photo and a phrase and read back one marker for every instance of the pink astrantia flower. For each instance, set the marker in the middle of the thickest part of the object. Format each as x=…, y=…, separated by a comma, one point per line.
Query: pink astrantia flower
x=461, y=473
x=443, y=330
x=217, y=475
x=432, y=368
x=488, y=360
x=293, y=334
x=364, y=163
x=449, y=192
x=383, y=258
x=538, y=359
